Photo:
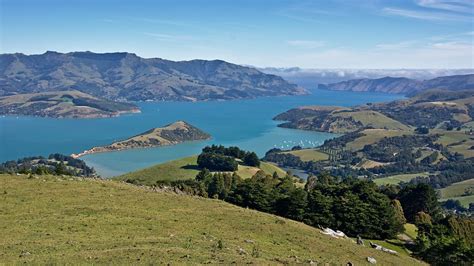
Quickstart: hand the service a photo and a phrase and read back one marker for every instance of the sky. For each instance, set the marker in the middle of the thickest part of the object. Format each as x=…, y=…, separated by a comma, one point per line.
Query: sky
x=265, y=33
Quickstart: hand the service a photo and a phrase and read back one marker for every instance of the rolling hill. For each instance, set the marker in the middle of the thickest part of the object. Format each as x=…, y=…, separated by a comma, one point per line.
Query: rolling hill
x=186, y=168
x=63, y=104
x=429, y=108
x=54, y=220
x=128, y=77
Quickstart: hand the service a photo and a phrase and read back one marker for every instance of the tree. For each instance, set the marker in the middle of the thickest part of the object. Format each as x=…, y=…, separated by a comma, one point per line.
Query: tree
x=251, y=159
x=422, y=130
x=60, y=169
x=204, y=175
x=419, y=198
x=216, y=188
x=399, y=215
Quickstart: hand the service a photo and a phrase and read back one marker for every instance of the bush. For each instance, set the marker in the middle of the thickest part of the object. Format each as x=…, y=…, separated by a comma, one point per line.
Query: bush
x=251, y=159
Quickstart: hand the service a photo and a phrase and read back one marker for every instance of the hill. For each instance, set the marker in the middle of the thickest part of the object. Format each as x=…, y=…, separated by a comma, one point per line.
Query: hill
x=432, y=108
x=462, y=191
x=403, y=85
x=171, y=134
x=128, y=77
x=63, y=104
x=186, y=168
x=55, y=221
x=337, y=119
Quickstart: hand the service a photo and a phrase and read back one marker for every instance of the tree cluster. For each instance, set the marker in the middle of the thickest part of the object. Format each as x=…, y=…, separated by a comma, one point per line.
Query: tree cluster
x=220, y=158
x=353, y=206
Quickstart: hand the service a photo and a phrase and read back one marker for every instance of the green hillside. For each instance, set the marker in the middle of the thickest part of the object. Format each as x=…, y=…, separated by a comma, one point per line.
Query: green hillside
x=397, y=179
x=310, y=155
x=462, y=191
x=373, y=119
x=187, y=168
x=55, y=221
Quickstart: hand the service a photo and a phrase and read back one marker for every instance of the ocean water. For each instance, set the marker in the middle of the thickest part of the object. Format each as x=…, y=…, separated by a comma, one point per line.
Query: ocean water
x=245, y=123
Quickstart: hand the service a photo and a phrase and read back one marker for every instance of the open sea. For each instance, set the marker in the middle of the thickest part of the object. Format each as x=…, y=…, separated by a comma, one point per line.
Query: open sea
x=244, y=123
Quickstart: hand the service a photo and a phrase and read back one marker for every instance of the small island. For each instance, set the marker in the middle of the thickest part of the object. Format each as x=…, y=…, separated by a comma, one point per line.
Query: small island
x=63, y=104
x=172, y=134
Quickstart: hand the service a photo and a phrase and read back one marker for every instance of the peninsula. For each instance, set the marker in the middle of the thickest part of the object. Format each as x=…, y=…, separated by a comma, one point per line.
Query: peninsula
x=63, y=104
x=171, y=134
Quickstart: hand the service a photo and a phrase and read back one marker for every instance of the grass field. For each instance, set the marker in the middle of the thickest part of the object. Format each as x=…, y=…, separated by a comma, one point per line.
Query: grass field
x=74, y=221
x=457, y=191
x=464, y=200
x=307, y=155
x=186, y=168
x=411, y=231
x=396, y=179
x=367, y=164
x=374, y=119
x=457, y=141
x=372, y=136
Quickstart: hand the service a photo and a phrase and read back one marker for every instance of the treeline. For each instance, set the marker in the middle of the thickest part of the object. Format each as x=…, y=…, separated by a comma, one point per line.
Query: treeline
x=54, y=164
x=220, y=158
x=354, y=206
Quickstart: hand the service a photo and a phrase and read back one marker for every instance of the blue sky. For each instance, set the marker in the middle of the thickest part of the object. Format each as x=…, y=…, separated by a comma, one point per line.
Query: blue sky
x=308, y=34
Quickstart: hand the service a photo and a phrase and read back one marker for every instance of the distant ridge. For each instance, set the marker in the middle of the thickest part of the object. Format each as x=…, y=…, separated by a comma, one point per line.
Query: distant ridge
x=128, y=77
x=405, y=86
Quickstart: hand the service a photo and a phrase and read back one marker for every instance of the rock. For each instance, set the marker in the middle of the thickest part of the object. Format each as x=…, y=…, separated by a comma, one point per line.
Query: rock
x=25, y=253
x=371, y=260
x=249, y=241
x=241, y=251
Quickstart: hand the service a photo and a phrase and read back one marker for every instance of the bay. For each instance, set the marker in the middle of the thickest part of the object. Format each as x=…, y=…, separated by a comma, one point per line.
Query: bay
x=244, y=123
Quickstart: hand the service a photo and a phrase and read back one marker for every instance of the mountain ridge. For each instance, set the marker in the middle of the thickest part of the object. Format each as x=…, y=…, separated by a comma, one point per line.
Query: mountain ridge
x=402, y=85
x=125, y=76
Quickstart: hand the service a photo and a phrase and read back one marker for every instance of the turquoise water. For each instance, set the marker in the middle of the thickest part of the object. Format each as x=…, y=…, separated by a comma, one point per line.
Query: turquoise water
x=246, y=123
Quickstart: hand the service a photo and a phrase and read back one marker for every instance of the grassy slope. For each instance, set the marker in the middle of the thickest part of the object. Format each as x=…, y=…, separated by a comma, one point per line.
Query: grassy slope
x=59, y=104
x=457, y=141
x=455, y=191
x=186, y=168
x=411, y=230
x=464, y=200
x=307, y=155
x=96, y=221
x=374, y=119
x=372, y=136
x=395, y=179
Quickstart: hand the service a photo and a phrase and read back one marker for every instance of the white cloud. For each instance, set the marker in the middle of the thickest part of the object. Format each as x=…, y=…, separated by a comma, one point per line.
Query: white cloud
x=422, y=54
x=458, y=6
x=426, y=15
x=308, y=44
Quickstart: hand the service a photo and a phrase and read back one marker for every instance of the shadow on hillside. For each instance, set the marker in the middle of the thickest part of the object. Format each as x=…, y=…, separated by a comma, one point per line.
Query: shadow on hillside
x=191, y=167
